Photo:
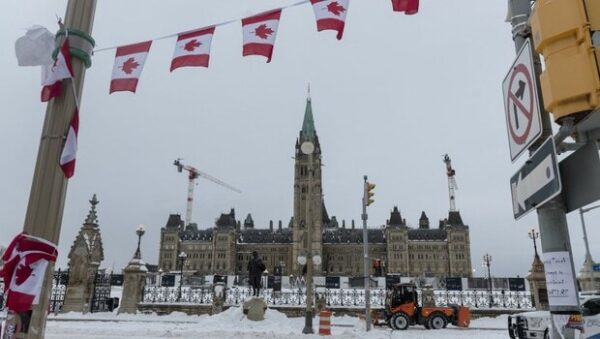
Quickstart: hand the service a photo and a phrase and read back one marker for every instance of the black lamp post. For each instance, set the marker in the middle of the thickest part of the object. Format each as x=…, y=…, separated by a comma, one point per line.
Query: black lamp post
x=533, y=235
x=140, y=230
x=487, y=259
x=182, y=257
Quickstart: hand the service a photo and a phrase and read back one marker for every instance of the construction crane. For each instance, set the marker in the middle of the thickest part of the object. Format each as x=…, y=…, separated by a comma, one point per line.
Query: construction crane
x=450, y=172
x=193, y=175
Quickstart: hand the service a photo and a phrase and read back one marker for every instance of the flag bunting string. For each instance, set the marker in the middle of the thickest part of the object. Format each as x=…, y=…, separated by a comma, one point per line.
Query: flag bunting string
x=213, y=25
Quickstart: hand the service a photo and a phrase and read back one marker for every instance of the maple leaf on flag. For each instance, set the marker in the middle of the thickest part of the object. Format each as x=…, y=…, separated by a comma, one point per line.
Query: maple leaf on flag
x=263, y=31
x=129, y=65
x=22, y=274
x=335, y=8
x=191, y=45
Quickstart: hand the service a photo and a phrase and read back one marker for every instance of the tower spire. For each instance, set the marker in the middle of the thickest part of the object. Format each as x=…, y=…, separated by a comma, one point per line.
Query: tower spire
x=92, y=217
x=308, y=132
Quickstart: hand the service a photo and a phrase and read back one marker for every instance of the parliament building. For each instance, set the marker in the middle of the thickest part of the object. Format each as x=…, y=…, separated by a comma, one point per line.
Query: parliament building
x=226, y=247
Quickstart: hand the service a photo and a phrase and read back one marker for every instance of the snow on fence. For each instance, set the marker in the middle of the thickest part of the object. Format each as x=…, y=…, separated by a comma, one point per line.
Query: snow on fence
x=236, y=296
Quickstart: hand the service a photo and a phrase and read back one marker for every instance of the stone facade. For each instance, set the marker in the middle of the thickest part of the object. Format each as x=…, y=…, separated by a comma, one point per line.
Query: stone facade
x=537, y=283
x=226, y=248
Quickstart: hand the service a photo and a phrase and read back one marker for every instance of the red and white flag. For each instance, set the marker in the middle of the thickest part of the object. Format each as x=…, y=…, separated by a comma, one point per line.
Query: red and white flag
x=69, y=151
x=407, y=6
x=25, y=263
x=129, y=63
x=331, y=14
x=193, y=48
x=259, y=34
x=52, y=75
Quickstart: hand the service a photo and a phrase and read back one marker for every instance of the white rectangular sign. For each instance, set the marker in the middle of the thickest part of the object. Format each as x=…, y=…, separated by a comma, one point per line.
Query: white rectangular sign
x=562, y=290
x=521, y=103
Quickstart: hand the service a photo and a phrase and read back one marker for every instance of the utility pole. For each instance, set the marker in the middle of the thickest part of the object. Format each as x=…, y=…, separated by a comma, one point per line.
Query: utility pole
x=552, y=218
x=48, y=189
x=367, y=200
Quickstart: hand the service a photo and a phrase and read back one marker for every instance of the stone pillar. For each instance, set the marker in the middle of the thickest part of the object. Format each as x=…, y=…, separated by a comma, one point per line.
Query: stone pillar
x=80, y=288
x=134, y=280
x=85, y=258
x=585, y=280
x=537, y=284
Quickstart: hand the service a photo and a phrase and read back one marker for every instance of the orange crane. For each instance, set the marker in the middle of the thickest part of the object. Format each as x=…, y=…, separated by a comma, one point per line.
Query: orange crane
x=193, y=175
x=452, y=187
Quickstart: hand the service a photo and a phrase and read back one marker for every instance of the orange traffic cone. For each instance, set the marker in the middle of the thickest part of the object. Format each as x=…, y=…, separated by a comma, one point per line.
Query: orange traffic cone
x=325, y=322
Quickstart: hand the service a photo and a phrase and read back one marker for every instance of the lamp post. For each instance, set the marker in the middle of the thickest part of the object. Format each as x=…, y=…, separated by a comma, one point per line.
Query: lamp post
x=159, y=280
x=308, y=148
x=182, y=257
x=140, y=230
x=533, y=235
x=588, y=256
x=487, y=259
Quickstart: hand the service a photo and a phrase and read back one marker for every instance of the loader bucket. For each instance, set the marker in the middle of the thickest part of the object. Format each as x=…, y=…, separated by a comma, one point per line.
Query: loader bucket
x=464, y=317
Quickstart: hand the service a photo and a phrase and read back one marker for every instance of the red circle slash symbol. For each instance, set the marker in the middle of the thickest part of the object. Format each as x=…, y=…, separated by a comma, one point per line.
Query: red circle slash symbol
x=516, y=106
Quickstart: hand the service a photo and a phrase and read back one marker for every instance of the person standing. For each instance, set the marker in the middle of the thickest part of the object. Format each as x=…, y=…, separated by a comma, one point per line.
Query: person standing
x=255, y=269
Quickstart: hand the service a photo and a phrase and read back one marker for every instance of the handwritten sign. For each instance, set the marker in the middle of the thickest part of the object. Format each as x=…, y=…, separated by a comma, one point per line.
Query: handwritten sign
x=562, y=290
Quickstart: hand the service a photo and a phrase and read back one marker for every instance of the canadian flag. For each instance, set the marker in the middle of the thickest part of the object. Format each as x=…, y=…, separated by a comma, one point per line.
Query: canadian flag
x=52, y=75
x=129, y=63
x=193, y=48
x=25, y=263
x=259, y=34
x=331, y=14
x=407, y=6
x=69, y=151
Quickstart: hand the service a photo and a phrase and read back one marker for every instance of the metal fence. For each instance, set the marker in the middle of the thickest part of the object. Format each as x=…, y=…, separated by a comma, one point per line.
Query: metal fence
x=336, y=297
x=59, y=288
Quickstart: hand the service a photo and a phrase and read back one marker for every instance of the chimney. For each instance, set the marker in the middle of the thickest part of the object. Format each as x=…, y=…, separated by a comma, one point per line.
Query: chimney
x=280, y=225
x=344, y=223
x=352, y=223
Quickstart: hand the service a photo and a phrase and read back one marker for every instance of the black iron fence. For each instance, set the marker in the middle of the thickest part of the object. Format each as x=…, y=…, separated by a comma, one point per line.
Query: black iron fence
x=60, y=279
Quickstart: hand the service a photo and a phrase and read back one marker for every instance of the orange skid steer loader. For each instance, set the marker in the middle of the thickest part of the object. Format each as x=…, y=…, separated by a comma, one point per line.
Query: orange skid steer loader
x=402, y=310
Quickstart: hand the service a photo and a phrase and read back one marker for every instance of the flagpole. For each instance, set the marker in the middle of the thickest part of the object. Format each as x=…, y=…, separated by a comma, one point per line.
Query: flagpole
x=49, y=186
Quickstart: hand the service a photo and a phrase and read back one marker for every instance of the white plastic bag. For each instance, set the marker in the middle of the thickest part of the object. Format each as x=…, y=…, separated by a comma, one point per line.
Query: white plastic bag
x=35, y=47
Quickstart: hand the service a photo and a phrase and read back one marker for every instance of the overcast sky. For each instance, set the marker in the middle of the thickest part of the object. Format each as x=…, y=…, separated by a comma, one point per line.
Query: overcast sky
x=389, y=100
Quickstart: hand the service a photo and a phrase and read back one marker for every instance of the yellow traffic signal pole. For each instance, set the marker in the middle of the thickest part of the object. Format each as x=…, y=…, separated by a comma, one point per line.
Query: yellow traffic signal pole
x=48, y=189
x=552, y=218
x=366, y=201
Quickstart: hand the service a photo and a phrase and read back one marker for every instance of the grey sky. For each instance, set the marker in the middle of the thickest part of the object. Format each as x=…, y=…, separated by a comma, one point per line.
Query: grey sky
x=389, y=99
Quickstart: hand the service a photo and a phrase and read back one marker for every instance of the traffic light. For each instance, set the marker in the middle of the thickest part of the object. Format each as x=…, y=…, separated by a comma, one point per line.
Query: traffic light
x=368, y=197
x=562, y=33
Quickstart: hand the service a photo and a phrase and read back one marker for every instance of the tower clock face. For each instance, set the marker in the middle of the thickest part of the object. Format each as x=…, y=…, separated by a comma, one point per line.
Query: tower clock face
x=307, y=147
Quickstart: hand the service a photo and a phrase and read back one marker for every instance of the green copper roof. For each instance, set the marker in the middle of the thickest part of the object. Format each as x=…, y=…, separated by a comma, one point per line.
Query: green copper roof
x=308, y=126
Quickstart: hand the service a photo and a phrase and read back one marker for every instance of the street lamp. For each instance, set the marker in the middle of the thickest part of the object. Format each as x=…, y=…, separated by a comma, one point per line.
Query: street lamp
x=140, y=230
x=308, y=148
x=588, y=256
x=159, y=280
x=182, y=257
x=487, y=259
x=533, y=235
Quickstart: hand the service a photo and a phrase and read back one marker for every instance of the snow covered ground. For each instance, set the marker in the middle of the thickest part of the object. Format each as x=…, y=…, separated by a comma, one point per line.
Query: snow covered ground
x=233, y=324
